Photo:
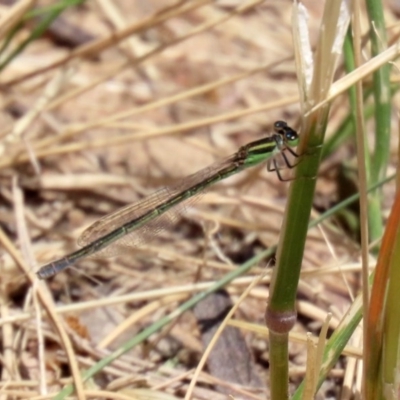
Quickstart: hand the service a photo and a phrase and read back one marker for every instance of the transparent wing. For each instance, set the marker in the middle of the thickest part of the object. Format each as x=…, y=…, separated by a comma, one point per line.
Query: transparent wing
x=163, y=222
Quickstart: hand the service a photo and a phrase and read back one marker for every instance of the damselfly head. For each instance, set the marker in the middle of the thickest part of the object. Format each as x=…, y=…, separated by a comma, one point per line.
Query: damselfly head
x=288, y=134
x=279, y=126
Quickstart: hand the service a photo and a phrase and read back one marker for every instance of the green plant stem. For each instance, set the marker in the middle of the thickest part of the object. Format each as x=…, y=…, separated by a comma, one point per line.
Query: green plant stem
x=353, y=99
x=382, y=96
x=279, y=375
x=281, y=310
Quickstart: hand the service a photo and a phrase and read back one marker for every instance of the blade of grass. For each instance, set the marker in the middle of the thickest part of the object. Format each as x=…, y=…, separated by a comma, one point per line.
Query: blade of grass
x=363, y=163
x=382, y=97
x=45, y=21
x=336, y=343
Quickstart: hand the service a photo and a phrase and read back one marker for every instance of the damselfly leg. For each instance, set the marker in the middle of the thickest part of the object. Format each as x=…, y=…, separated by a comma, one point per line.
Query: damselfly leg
x=272, y=164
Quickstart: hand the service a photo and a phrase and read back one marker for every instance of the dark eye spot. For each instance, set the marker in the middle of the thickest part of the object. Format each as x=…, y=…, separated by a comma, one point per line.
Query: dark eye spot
x=280, y=124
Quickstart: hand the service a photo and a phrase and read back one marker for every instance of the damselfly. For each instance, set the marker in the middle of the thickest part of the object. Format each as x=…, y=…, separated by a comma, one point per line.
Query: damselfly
x=133, y=224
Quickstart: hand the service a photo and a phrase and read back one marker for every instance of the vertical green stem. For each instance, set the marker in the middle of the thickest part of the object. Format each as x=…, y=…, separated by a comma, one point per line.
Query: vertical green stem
x=281, y=310
x=382, y=96
x=279, y=376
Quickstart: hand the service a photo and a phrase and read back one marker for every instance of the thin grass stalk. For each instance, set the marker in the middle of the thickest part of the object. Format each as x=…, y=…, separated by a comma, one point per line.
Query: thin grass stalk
x=336, y=343
x=39, y=29
x=352, y=92
x=346, y=128
x=363, y=164
x=382, y=97
x=345, y=131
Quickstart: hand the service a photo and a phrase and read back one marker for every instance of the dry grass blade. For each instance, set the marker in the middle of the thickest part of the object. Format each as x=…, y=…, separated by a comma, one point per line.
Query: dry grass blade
x=91, y=49
x=12, y=16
